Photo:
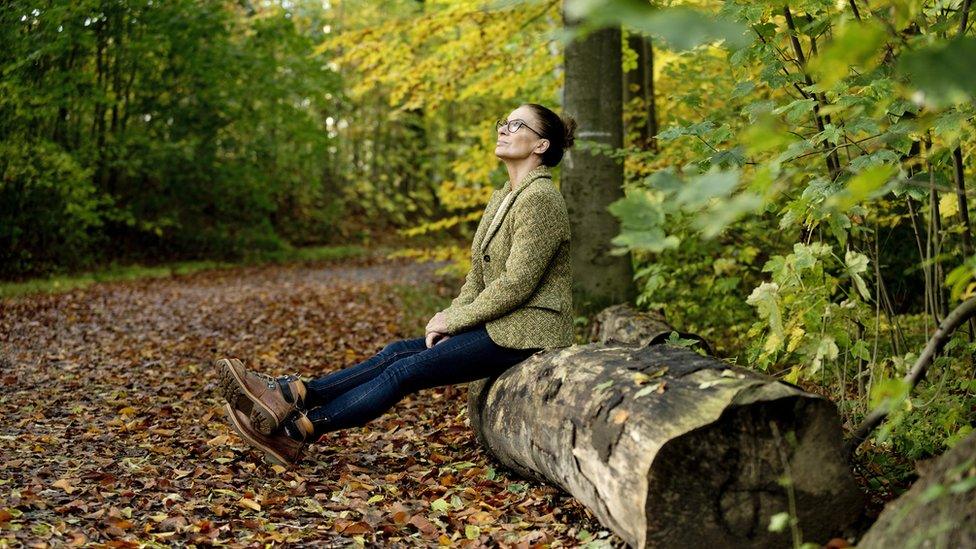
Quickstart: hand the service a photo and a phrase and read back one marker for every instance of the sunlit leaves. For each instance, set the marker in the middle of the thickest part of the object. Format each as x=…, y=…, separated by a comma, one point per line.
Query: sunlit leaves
x=641, y=219
x=855, y=264
x=857, y=45
x=765, y=298
x=866, y=184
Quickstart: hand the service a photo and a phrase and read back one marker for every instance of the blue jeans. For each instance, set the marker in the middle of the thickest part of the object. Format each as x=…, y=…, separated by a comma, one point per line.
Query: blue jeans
x=358, y=394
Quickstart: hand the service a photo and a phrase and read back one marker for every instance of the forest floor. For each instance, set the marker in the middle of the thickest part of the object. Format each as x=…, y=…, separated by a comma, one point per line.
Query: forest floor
x=111, y=430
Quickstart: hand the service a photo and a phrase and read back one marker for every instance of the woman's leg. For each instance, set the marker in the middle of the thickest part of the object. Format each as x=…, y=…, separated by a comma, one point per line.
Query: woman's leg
x=463, y=357
x=323, y=389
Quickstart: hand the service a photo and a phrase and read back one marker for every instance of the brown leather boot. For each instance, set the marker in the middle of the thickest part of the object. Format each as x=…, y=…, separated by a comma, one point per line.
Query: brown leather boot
x=265, y=400
x=279, y=448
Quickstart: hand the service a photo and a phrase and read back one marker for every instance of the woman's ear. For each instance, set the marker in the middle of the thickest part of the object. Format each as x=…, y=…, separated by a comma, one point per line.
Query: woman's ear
x=542, y=147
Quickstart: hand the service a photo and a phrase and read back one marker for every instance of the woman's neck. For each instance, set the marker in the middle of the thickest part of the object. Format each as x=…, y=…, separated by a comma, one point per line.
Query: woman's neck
x=518, y=170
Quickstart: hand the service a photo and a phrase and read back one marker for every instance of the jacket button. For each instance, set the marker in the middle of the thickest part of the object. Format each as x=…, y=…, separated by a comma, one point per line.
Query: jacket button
x=487, y=258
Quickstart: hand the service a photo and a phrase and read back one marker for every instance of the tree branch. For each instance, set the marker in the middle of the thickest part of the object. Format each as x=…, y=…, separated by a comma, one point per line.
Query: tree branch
x=953, y=320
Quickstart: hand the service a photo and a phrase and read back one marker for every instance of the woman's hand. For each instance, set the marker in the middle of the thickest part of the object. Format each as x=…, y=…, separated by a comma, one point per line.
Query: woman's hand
x=433, y=338
x=436, y=330
x=438, y=323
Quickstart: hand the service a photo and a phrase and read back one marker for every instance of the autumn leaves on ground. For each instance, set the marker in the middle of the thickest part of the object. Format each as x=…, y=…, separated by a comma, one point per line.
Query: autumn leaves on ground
x=111, y=431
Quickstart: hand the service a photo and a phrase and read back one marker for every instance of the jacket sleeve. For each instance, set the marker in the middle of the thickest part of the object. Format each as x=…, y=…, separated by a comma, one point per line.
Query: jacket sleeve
x=539, y=225
x=473, y=283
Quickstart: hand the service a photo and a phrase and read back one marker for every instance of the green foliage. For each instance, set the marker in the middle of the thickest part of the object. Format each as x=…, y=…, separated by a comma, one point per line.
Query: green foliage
x=681, y=27
x=48, y=206
x=179, y=129
x=785, y=166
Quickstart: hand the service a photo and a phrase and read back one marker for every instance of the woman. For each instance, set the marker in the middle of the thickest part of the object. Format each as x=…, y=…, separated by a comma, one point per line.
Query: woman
x=516, y=300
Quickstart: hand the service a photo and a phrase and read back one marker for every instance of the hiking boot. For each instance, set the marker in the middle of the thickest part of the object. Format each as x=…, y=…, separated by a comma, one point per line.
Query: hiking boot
x=279, y=449
x=265, y=400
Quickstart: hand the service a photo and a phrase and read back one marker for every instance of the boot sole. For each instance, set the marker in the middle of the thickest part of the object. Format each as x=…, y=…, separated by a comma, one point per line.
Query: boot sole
x=269, y=454
x=234, y=392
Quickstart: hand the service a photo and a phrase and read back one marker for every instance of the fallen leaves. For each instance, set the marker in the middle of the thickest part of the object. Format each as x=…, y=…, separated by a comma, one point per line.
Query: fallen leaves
x=114, y=435
x=250, y=504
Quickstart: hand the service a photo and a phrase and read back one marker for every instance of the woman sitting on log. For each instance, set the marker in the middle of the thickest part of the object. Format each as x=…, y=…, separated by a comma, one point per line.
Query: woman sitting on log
x=516, y=300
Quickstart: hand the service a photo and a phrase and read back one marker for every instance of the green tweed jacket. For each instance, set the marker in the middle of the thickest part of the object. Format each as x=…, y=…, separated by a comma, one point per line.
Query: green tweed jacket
x=520, y=282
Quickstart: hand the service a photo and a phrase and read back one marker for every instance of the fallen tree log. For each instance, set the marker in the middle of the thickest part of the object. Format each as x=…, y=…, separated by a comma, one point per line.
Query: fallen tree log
x=668, y=447
x=938, y=511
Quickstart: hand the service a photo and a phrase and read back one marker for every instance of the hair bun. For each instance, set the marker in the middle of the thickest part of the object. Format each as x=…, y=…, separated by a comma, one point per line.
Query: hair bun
x=570, y=124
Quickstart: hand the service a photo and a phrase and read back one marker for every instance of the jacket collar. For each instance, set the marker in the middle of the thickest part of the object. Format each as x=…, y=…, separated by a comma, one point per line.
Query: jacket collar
x=541, y=172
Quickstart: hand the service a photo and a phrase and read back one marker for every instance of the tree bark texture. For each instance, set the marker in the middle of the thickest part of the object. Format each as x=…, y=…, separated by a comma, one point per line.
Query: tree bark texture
x=938, y=511
x=669, y=448
x=590, y=179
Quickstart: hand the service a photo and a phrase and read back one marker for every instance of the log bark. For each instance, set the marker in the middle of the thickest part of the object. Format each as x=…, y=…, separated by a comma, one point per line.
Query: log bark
x=938, y=511
x=668, y=447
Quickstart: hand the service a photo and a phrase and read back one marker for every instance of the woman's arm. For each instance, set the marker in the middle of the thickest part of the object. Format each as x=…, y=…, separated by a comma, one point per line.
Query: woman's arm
x=473, y=283
x=540, y=225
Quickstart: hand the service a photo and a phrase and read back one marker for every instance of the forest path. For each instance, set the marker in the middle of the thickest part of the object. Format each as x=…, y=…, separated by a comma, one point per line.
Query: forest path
x=111, y=429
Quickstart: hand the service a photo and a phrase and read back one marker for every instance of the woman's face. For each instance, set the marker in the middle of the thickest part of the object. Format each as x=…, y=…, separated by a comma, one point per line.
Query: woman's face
x=524, y=142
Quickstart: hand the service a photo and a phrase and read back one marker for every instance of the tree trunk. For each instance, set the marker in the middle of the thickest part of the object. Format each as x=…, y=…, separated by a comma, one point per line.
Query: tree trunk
x=592, y=180
x=938, y=511
x=669, y=448
x=640, y=83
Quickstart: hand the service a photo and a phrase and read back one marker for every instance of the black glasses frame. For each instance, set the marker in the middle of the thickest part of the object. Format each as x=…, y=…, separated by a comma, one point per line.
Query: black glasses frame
x=514, y=125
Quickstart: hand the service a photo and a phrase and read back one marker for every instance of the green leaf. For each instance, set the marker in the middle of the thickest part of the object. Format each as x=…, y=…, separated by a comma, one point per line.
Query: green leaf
x=702, y=188
x=440, y=505
x=765, y=298
x=864, y=185
x=637, y=210
x=699, y=129
x=778, y=522
x=472, y=532
x=796, y=110
x=713, y=221
x=856, y=263
x=857, y=44
x=653, y=240
x=826, y=350
x=682, y=27
x=942, y=72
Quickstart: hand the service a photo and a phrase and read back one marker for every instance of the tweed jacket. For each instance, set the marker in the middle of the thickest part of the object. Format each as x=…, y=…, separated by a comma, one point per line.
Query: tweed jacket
x=520, y=281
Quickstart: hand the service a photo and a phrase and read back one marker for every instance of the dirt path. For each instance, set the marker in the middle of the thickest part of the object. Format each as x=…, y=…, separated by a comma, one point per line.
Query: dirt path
x=111, y=431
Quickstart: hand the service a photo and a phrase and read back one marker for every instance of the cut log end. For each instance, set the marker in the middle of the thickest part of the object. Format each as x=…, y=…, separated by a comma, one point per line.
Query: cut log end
x=730, y=477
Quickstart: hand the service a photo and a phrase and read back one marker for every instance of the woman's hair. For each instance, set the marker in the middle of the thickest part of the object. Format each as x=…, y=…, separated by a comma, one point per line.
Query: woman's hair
x=559, y=131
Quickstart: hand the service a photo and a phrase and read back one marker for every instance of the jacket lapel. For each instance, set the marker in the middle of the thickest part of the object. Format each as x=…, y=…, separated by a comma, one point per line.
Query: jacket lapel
x=496, y=222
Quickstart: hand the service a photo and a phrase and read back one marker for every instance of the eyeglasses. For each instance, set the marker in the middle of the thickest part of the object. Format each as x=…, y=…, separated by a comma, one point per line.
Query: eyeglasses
x=513, y=126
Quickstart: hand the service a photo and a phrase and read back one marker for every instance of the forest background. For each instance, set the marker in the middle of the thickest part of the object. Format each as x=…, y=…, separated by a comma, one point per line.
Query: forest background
x=795, y=193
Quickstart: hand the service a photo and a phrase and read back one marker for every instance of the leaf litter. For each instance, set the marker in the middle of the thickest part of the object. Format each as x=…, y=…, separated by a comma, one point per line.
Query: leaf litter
x=111, y=431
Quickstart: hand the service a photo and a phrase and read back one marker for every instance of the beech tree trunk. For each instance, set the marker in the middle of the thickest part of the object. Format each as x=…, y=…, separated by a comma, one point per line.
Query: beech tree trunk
x=669, y=448
x=938, y=511
x=591, y=180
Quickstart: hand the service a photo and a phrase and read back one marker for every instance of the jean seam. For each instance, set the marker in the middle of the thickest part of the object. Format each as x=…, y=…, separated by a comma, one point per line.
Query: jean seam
x=371, y=389
x=357, y=376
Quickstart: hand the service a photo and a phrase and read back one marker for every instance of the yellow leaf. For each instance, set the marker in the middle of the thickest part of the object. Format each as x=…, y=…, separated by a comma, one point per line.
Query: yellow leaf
x=948, y=205
x=796, y=336
x=250, y=504
x=64, y=484
x=218, y=440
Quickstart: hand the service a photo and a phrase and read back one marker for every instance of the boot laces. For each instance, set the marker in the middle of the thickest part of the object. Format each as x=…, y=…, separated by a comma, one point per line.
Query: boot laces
x=272, y=382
